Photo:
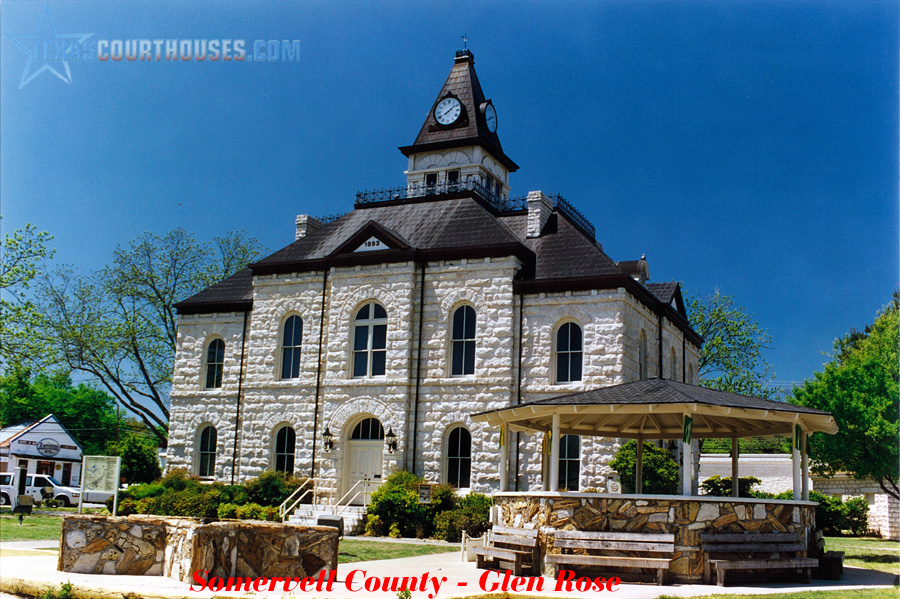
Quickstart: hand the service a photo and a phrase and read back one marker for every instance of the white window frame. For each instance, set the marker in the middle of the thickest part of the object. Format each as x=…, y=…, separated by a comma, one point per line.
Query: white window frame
x=556, y=351
x=370, y=323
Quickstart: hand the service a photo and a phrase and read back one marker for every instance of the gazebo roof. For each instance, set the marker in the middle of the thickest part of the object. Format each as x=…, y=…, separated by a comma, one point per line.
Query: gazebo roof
x=654, y=409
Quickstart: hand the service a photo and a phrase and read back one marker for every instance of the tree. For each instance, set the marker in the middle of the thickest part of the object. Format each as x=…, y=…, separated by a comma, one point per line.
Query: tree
x=140, y=462
x=87, y=413
x=731, y=356
x=659, y=469
x=21, y=256
x=118, y=325
x=860, y=388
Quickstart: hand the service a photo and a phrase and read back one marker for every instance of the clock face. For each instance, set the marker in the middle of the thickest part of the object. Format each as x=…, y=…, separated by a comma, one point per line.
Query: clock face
x=490, y=117
x=447, y=111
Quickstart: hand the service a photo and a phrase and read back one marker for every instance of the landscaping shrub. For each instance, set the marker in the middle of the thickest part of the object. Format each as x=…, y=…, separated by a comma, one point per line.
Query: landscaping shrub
x=857, y=515
x=659, y=468
x=720, y=486
x=396, y=503
x=272, y=488
x=374, y=526
x=472, y=515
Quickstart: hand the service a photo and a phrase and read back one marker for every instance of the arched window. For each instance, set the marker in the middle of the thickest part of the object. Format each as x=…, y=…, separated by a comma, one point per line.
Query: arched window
x=672, y=363
x=568, y=353
x=370, y=341
x=206, y=452
x=215, y=363
x=690, y=374
x=569, y=462
x=369, y=429
x=463, y=341
x=285, y=444
x=291, y=340
x=459, y=458
x=642, y=359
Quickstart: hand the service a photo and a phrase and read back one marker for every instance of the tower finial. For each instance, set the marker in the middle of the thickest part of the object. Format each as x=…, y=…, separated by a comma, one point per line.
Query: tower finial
x=465, y=41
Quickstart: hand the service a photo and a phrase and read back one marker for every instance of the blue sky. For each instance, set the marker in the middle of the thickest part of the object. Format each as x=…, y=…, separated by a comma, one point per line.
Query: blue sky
x=744, y=146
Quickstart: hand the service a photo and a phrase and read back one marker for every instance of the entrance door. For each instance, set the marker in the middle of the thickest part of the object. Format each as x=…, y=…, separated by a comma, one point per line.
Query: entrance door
x=366, y=449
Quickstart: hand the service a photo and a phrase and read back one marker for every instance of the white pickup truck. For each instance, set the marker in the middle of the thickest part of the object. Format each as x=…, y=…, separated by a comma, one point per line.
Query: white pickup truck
x=35, y=485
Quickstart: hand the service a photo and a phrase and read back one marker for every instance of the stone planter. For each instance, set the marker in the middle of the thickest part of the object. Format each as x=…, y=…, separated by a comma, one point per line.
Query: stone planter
x=177, y=547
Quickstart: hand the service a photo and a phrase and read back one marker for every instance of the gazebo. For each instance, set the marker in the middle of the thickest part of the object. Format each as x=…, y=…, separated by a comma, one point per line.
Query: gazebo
x=665, y=409
x=660, y=409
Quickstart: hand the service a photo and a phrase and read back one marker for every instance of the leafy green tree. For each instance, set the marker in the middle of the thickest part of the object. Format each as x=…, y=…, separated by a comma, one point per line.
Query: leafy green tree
x=140, y=462
x=659, y=469
x=22, y=255
x=733, y=342
x=88, y=414
x=860, y=387
x=118, y=325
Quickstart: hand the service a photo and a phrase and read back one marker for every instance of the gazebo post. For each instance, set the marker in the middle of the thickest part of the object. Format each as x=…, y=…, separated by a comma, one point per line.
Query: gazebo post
x=804, y=465
x=687, y=455
x=639, y=467
x=795, y=457
x=504, y=436
x=554, y=453
x=735, y=476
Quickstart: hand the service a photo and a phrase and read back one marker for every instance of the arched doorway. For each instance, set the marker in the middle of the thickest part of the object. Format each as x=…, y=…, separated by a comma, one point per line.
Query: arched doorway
x=366, y=446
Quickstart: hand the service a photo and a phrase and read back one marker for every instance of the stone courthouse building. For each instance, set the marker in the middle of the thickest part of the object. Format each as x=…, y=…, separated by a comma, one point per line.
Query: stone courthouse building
x=365, y=346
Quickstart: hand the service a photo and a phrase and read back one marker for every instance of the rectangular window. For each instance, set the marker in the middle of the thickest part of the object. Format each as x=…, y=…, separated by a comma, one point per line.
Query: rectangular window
x=452, y=180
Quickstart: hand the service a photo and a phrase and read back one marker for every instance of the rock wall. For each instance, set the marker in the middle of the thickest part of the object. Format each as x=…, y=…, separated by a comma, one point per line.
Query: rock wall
x=686, y=518
x=176, y=547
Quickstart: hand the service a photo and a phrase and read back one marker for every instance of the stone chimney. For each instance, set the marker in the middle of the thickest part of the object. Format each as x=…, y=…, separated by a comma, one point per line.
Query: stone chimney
x=539, y=209
x=306, y=224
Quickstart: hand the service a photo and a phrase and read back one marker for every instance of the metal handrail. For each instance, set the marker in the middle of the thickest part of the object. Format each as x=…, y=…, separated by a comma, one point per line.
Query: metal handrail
x=282, y=511
x=348, y=492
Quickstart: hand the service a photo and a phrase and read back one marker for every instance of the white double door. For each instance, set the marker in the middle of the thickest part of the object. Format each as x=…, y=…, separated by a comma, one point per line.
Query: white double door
x=365, y=468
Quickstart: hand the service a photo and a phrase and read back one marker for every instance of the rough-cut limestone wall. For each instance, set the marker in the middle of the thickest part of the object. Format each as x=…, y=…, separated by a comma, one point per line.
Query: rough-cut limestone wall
x=685, y=518
x=102, y=545
x=884, y=510
x=177, y=547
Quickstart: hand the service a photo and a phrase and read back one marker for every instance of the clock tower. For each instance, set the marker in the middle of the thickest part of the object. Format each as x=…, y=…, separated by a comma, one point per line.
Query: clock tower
x=457, y=147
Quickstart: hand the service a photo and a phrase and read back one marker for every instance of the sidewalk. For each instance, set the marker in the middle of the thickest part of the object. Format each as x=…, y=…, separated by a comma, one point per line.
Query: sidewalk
x=31, y=574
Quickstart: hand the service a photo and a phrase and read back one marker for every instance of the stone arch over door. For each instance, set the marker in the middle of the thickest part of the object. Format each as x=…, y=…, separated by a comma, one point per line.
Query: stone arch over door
x=341, y=424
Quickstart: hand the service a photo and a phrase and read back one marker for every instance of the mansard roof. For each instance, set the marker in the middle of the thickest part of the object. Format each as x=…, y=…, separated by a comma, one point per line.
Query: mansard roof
x=563, y=258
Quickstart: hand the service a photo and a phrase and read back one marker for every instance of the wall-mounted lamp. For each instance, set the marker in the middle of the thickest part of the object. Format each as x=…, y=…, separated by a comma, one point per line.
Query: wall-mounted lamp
x=328, y=439
x=390, y=440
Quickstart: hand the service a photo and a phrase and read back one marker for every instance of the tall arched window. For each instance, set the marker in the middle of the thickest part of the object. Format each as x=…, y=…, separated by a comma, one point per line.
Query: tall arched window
x=459, y=458
x=568, y=353
x=285, y=444
x=642, y=358
x=463, y=341
x=569, y=462
x=370, y=341
x=672, y=363
x=206, y=451
x=690, y=374
x=291, y=339
x=215, y=363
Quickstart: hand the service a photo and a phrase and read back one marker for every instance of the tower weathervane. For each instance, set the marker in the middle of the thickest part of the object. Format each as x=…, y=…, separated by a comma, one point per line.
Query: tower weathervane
x=465, y=41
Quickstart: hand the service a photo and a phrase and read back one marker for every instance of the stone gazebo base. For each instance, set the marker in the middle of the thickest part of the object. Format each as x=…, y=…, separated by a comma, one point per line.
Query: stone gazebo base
x=685, y=517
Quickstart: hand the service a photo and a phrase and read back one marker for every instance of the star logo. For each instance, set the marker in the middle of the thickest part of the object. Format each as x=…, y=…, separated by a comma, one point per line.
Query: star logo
x=47, y=46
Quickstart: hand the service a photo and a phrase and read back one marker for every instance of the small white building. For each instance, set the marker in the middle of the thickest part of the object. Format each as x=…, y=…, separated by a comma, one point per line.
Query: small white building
x=43, y=447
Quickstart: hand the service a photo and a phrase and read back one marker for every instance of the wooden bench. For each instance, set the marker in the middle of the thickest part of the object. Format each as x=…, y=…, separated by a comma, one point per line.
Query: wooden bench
x=517, y=546
x=754, y=551
x=618, y=549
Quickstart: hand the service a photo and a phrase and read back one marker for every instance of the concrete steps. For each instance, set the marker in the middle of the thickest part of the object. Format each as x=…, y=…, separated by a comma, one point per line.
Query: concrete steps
x=308, y=515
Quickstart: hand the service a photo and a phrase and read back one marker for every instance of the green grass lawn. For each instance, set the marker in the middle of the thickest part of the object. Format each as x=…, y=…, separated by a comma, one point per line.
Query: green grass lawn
x=863, y=594
x=36, y=527
x=361, y=550
x=866, y=552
